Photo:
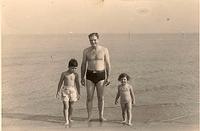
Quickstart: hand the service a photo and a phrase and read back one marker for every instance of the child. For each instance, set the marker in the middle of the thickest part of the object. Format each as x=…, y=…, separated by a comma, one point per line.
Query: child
x=70, y=91
x=127, y=97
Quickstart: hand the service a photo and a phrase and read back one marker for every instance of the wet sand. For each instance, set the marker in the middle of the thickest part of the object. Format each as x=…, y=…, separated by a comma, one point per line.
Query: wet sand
x=164, y=71
x=165, y=117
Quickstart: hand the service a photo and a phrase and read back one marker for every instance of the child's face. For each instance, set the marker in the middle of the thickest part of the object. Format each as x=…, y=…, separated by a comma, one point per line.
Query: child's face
x=72, y=69
x=123, y=80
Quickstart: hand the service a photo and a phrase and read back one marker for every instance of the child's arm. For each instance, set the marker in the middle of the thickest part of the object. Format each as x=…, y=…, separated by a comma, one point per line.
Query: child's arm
x=60, y=84
x=117, y=97
x=132, y=95
x=77, y=84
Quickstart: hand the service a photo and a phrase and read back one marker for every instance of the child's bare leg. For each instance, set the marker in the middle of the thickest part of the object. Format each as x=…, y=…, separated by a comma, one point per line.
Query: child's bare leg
x=70, y=111
x=129, y=113
x=123, y=107
x=65, y=111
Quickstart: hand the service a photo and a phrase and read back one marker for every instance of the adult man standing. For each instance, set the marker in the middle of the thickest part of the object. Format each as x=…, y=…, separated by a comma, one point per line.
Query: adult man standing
x=96, y=67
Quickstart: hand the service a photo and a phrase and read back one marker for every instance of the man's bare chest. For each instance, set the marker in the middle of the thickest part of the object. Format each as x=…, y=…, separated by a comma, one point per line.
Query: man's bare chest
x=95, y=55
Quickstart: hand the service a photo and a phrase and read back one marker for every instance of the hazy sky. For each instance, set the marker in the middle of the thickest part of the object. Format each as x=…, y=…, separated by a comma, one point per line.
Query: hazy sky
x=104, y=16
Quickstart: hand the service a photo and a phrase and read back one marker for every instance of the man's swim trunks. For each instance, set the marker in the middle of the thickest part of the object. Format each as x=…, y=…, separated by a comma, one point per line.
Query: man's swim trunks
x=69, y=93
x=95, y=76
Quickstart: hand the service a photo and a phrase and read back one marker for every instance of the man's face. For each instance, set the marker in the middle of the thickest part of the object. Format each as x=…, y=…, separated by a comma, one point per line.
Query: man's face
x=93, y=41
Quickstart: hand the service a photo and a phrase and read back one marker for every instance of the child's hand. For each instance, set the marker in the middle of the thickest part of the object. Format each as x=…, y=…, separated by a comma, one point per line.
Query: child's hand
x=78, y=96
x=116, y=102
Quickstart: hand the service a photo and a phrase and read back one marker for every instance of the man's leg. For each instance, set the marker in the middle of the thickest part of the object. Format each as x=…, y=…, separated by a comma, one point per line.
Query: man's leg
x=100, y=95
x=90, y=94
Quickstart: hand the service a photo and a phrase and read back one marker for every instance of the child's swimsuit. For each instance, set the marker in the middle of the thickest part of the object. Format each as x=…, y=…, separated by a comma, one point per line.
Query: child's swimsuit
x=69, y=93
x=95, y=76
x=125, y=96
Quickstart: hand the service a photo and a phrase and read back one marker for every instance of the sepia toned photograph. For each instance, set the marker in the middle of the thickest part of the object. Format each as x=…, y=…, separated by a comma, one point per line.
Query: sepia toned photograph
x=103, y=65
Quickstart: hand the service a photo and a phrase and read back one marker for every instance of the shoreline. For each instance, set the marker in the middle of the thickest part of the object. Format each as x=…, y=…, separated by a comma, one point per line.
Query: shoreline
x=10, y=124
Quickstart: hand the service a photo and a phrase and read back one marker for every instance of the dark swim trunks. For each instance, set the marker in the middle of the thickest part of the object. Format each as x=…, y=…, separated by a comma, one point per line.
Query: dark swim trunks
x=95, y=76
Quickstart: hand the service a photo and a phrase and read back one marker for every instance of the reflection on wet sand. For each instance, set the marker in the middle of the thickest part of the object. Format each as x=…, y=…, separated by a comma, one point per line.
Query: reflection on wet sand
x=146, y=114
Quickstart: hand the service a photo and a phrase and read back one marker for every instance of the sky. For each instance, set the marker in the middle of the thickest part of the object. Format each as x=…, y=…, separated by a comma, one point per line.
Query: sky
x=104, y=16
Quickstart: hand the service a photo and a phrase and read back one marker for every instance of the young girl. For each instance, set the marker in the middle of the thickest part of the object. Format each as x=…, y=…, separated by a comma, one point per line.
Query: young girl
x=127, y=97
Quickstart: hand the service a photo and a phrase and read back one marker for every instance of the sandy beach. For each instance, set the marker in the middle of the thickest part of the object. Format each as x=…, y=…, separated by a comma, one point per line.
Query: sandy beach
x=158, y=118
x=163, y=67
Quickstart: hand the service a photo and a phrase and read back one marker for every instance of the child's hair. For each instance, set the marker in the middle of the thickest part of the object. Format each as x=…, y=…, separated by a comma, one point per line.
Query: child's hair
x=73, y=63
x=122, y=75
x=94, y=34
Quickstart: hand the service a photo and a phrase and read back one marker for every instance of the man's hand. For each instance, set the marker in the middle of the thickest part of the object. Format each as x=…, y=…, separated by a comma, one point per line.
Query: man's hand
x=133, y=102
x=116, y=102
x=83, y=82
x=57, y=95
x=106, y=82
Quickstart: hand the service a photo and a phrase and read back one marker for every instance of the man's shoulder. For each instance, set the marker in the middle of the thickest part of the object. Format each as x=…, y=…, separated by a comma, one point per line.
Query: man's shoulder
x=103, y=48
x=86, y=49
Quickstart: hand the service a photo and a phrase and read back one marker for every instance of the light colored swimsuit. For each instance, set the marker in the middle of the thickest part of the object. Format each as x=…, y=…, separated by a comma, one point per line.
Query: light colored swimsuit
x=125, y=96
x=69, y=93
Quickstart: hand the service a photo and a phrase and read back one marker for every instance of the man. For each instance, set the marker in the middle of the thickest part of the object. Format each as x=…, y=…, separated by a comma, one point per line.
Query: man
x=96, y=67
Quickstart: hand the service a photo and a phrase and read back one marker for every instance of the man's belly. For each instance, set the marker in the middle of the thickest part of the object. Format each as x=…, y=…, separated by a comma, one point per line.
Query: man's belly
x=96, y=65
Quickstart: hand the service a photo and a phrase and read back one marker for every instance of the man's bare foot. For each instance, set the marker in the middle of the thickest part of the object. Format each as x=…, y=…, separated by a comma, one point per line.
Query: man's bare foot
x=102, y=119
x=89, y=120
x=66, y=123
x=70, y=120
x=123, y=122
x=129, y=124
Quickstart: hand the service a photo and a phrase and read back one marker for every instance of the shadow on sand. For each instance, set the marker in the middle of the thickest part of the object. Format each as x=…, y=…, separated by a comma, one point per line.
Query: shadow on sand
x=44, y=118
x=49, y=118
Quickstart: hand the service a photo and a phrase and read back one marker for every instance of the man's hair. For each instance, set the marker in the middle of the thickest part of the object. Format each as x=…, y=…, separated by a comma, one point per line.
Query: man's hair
x=122, y=75
x=73, y=63
x=93, y=34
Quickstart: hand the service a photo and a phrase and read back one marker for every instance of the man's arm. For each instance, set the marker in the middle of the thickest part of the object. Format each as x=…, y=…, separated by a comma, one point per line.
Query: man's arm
x=83, y=68
x=108, y=65
x=60, y=84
